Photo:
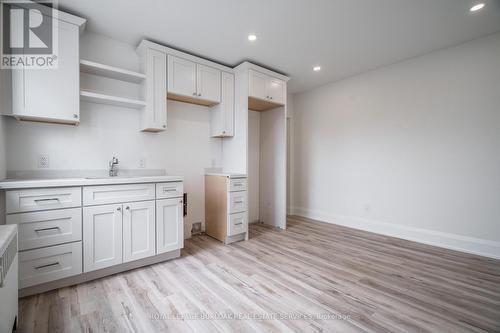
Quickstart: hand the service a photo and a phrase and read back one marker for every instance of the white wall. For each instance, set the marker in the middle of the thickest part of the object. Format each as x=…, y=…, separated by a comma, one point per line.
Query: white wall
x=253, y=165
x=184, y=149
x=272, y=197
x=289, y=152
x=411, y=150
x=3, y=163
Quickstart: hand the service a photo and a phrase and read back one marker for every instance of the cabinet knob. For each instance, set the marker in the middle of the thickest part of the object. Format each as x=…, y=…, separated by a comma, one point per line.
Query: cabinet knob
x=119, y=209
x=271, y=97
x=75, y=116
x=164, y=126
x=199, y=94
x=180, y=201
x=194, y=94
x=127, y=208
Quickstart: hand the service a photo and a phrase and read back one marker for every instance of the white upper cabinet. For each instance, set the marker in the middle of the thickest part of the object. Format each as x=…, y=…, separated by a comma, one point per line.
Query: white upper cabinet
x=192, y=82
x=208, y=83
x=258, y=85
x=181, y=77
x=222, y=115
x=228, y=103
x=276, y=90
x=154, y=64
x=51, y=95
x=266, y=87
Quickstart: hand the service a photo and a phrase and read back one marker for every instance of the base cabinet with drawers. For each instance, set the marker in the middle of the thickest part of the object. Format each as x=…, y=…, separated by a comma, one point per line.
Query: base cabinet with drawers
x=68, y=231
x=49, y=224
x=226, y=208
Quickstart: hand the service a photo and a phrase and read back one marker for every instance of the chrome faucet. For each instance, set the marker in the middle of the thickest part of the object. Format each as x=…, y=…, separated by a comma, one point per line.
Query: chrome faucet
x=113, y=167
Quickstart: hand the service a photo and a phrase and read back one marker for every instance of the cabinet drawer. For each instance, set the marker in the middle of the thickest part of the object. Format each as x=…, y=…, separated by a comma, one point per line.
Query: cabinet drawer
x=109, y=194
x=43, y=199
x=47, y=228
x=169, y=190
x=237, y=224
x=237, y=202
x=237, y=184
x=49, y=264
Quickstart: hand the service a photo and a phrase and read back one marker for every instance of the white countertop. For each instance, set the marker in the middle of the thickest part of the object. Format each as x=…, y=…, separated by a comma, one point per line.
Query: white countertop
x=7, y=232
x=10, y=184
x=226, y=174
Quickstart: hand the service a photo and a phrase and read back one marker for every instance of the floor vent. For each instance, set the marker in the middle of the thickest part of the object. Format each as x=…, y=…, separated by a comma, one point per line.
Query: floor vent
x=196, y=229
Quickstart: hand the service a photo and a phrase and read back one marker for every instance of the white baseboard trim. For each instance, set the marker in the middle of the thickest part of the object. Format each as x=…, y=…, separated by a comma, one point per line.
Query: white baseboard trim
x=482, y=247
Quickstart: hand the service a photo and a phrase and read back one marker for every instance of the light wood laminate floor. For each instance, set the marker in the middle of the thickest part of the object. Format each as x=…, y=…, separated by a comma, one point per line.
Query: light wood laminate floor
x=319, y=278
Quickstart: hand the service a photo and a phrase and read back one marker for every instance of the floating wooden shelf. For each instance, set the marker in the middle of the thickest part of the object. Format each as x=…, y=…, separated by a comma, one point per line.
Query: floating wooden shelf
x=257, y=104
x=91, y=67
x=90, y=96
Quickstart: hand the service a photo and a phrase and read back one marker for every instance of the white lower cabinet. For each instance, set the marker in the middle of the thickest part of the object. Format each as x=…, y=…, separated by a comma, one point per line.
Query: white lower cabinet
x=49, y=264
x=138, y=230
x=102, y=236
x=124, y=232
x=169, y=225
x=237, y=223
x=46, y=228
x=59, y=238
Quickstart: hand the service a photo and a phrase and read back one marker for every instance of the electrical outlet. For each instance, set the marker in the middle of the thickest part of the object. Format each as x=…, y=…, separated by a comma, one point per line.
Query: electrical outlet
x=142, y=163
x=43, y=161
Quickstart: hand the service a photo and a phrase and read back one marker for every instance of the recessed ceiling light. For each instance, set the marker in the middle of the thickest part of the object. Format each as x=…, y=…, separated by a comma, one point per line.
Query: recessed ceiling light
x=252, y=37
x=477, y=7
x=316, y=68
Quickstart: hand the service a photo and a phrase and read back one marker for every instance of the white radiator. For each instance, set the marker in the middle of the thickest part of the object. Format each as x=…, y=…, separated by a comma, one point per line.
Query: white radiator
x=8, y=278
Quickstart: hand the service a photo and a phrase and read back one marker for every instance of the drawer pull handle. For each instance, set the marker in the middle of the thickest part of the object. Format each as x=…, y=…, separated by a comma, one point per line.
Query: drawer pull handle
x=46, y=200
x=48, y=265
x=239, y=223
x=47, y=229
x=238, y=202
x=169, y=189
x=237, y=184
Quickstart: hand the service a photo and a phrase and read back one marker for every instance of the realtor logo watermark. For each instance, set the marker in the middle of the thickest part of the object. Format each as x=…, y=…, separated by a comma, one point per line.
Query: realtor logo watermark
x=29, y=34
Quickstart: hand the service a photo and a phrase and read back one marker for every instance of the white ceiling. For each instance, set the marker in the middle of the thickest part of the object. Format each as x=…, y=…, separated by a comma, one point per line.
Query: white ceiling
x=345, y=37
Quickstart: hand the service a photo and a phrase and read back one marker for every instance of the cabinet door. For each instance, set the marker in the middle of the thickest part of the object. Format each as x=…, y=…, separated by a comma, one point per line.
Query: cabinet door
x=102, y=236
x=169, y=225
x=258, y=83
x=181, y=76
x=222, y=115
x=276, y=90
x=208, y=83
x=138, y=230
x=228, y=103
x=155, y=115
x=53, y=94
